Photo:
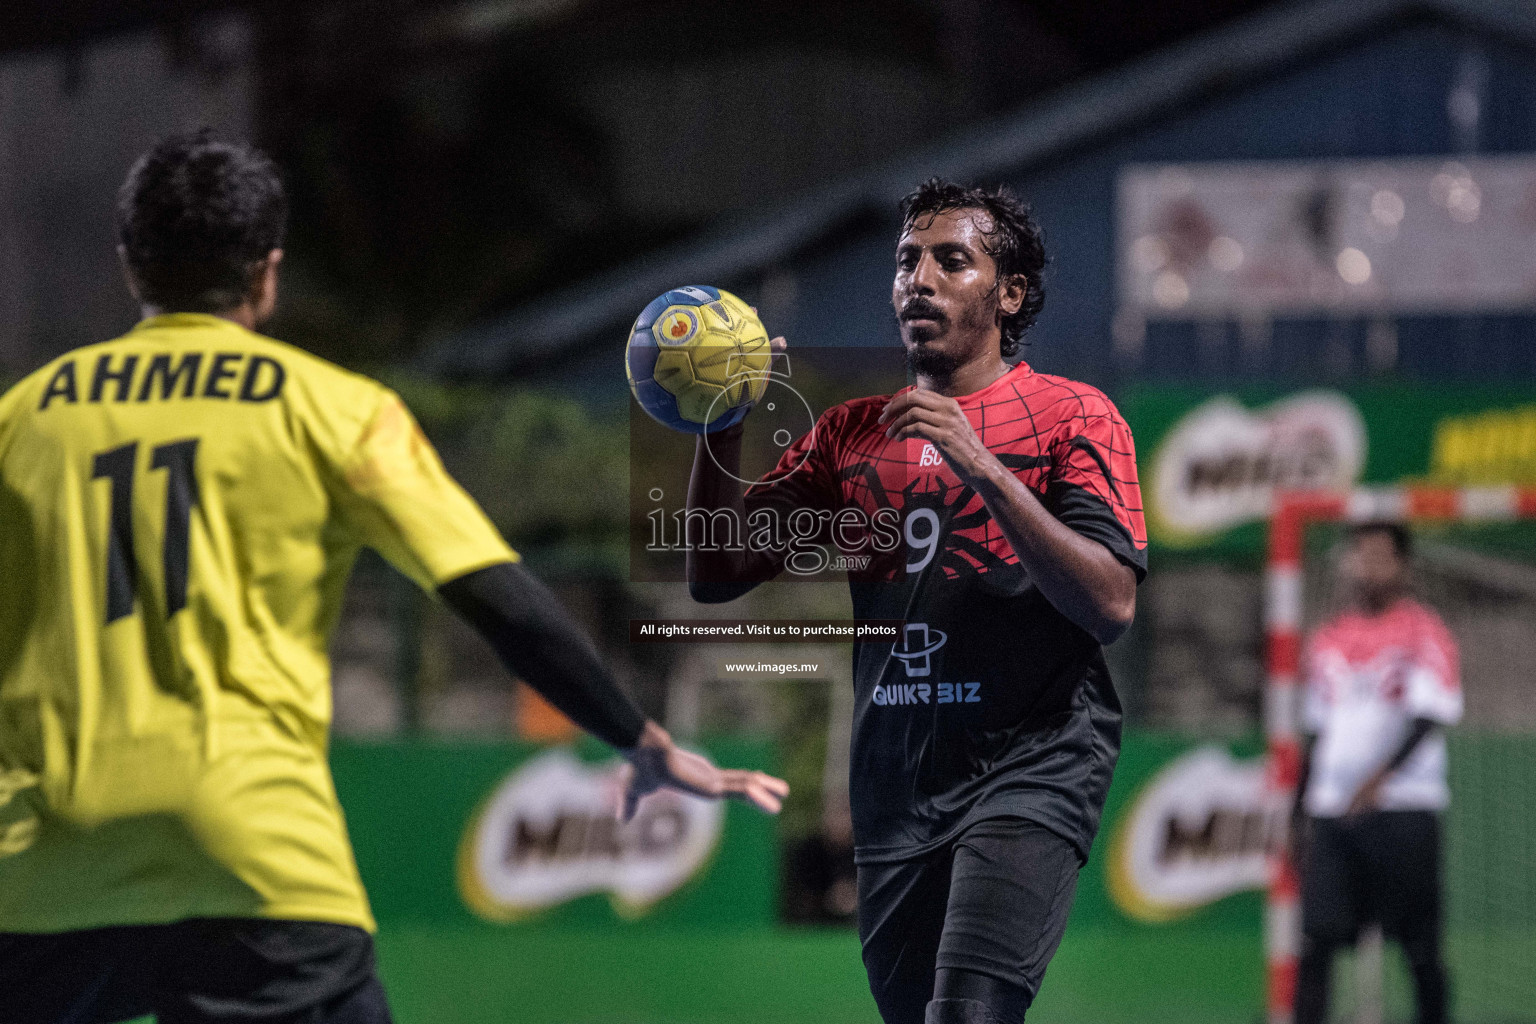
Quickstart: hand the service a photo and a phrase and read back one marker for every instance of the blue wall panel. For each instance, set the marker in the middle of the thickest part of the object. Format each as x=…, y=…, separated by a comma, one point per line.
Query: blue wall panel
x=1383, y=97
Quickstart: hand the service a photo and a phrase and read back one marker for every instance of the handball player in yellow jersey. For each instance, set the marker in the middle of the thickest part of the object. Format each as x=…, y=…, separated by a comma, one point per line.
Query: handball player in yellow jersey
x=179, y=512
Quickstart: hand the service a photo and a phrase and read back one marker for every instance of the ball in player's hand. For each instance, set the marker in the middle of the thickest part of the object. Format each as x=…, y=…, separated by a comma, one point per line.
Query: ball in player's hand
x=697, y=359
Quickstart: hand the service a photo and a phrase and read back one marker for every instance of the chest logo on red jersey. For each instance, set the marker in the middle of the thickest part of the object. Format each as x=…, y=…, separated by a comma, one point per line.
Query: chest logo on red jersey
x=930, y=456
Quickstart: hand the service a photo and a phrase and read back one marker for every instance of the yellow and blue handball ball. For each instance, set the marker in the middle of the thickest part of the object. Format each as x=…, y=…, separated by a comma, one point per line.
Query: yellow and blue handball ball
x=697, y=359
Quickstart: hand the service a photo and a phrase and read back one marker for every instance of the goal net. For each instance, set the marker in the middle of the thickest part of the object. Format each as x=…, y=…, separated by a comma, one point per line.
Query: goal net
x=1475, y=564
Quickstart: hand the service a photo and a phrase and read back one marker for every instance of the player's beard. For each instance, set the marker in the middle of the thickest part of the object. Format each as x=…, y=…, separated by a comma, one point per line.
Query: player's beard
x=1377, y=596
x=926, y=357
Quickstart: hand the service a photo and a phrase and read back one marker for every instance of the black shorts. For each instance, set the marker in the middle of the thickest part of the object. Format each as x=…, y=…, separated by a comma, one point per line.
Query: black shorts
x=202, y=971
x=1381, y=867
x=994, y=902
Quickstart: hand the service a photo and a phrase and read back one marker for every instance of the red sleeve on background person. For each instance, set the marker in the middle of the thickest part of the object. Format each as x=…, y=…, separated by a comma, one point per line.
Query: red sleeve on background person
x=1438, y=650
x=1433, y=680
x=1093, y=486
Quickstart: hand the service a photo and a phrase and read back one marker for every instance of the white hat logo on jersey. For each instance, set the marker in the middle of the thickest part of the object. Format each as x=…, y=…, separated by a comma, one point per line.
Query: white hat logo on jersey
x=920, y=644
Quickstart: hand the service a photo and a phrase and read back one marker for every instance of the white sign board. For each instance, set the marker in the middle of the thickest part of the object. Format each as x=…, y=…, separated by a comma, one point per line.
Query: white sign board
x=1362, y=236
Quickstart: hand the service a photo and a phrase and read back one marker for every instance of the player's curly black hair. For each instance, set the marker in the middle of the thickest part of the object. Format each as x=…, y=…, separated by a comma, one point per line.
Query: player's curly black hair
x=1015, y=242
x=195, y=216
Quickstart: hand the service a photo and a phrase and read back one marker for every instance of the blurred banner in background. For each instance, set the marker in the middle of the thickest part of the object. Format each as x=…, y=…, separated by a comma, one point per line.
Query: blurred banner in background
x=1211, y=463
x=1370, y=236
x=525, y=835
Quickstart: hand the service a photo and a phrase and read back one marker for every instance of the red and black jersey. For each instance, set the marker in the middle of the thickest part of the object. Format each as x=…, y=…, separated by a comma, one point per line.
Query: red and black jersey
x=993, y=703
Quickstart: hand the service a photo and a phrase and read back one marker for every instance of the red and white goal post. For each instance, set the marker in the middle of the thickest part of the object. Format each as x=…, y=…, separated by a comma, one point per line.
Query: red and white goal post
x=1291, y=514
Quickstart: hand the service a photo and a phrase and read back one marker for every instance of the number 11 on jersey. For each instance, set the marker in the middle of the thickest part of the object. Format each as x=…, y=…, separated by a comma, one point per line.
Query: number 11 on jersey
x=178, y=459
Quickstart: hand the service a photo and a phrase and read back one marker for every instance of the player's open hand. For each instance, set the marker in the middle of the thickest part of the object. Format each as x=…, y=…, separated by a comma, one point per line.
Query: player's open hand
x=656, y=762
x=939, y=420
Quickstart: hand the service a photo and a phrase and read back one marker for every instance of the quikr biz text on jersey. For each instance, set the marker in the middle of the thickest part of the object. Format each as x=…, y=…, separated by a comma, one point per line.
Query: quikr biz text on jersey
x=923, y=693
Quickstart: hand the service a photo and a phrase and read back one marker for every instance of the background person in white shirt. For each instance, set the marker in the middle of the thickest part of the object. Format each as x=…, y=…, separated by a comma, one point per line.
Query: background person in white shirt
x=1382, y=681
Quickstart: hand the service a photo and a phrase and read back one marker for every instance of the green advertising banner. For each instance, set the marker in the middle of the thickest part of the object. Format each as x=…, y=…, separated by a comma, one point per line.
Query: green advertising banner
x=1182, y=842
x=456, y=832
x=1210, y=462
x=516, y=834
x=1188, y=823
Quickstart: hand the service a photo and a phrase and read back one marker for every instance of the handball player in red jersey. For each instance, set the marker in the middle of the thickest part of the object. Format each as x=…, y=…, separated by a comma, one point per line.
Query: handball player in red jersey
x=985, y=737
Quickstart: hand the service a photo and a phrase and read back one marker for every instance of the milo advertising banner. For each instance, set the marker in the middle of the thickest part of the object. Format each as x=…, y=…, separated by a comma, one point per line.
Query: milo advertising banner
x=517, y=835
x=1211, y=461
x=1184, y=840
x=1196, y=828
x=520, y=835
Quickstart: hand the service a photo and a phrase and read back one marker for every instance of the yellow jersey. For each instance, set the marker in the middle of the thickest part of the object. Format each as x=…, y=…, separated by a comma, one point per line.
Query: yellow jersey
x=179, y=511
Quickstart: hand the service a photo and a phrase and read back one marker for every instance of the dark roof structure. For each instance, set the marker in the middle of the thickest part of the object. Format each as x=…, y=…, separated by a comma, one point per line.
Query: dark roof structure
x=566, y=324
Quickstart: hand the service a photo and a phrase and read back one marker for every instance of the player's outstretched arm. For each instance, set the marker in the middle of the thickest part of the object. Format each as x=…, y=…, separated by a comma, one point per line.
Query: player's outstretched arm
x=537, y=641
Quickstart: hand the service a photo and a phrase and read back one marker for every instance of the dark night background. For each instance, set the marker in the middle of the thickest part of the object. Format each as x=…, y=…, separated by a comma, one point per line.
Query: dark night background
x=449, y=161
